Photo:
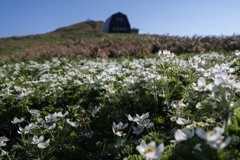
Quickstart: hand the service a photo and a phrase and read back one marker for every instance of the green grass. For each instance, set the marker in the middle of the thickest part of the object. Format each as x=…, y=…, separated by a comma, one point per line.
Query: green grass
x=10, y=50
x=49, y=39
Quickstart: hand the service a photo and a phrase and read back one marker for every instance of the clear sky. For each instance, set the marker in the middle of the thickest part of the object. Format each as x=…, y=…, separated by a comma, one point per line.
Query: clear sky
x=173, y=17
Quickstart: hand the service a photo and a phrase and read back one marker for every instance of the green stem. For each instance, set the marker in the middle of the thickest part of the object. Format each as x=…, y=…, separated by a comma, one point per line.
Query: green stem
x=5, y=154
x=130, y=130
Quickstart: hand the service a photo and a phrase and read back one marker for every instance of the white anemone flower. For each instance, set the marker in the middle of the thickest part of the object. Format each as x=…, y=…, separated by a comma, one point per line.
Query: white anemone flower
x=88, y=134
x=179, y=105
x=150, y=151
x=24, y=130
x=210, y=136
x=231, y=79
x=51, y=118
x=149, y=125
x=237, y=86
x=182, y=135
x=43, y=144
x=220, y=144
x=33, y=125
x=95, y=110
x=145, y=123
x=35, y=112
x=219, y=81
x=3, y=153
x=2, y=143
x=49, y=127
x=72, y=123
x=182, y=121
x=60, y=114
x=197, y=147
x=121, y=143
x=213, y=87
x=134, y=119
x=4, y=139
x=138, y=129
x=143, y=116
x=119, y=126
x=201, y=85
x=37, y=140
x=16, y=120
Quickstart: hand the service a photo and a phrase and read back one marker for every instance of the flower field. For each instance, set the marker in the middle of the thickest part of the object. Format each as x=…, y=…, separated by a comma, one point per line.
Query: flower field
x=133, y=109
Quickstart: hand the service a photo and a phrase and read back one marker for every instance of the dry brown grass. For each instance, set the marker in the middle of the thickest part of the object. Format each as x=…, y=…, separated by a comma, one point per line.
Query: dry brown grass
x=106, y=47
x=102, y=48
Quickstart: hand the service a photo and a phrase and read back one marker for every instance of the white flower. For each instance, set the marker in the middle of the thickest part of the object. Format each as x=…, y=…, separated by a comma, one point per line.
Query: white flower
x=43, y=144
x=37, y=140
x=182, y=121
x=95, y=110
x=59, y=114
x=34, y=112
x=143, y=116
x=130, y=92
x=183, y=135
x=198, y=105
x=197, y=147
x=118, y=127
x=138, y=129
x=49, y=127
x=121, y=143
x=24, y=130
x=3, y=153
x=201, y=85
x=2, y=143
x=72, y=123
x=4, y=139
x=210, y=136
x=33, y=125
x=150, y=151
x=134, y=119
x=51, y=118
x=179, y=106
x=88, y=134
x=16, y=120
x=220, y=144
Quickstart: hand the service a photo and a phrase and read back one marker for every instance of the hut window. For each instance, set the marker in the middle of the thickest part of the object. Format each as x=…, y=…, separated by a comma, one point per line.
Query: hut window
x=119, y=19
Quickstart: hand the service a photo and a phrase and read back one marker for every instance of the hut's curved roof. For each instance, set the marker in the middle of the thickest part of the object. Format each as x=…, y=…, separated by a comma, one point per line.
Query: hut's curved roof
x=112, y=23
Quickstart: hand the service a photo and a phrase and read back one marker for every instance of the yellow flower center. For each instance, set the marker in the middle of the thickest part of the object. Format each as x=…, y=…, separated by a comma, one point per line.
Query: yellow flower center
x=149, y=149
x=184, y=120
x=43, y=144
x=24, y=130
x=143, y=122
x=220, y=143
x=138, y=128
x=210, y=132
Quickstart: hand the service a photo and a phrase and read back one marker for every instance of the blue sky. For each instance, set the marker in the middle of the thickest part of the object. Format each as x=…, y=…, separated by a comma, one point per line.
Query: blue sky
x=173, y=17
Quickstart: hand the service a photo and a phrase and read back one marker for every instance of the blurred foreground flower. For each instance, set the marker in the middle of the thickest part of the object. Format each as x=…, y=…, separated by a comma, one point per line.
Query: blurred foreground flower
x=150, y=151
x=44, y=144
x=183, y=135
x=16, y=120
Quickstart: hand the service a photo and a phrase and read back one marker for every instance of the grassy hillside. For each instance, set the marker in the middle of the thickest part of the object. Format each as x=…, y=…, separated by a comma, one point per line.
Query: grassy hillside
x=86, y=40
